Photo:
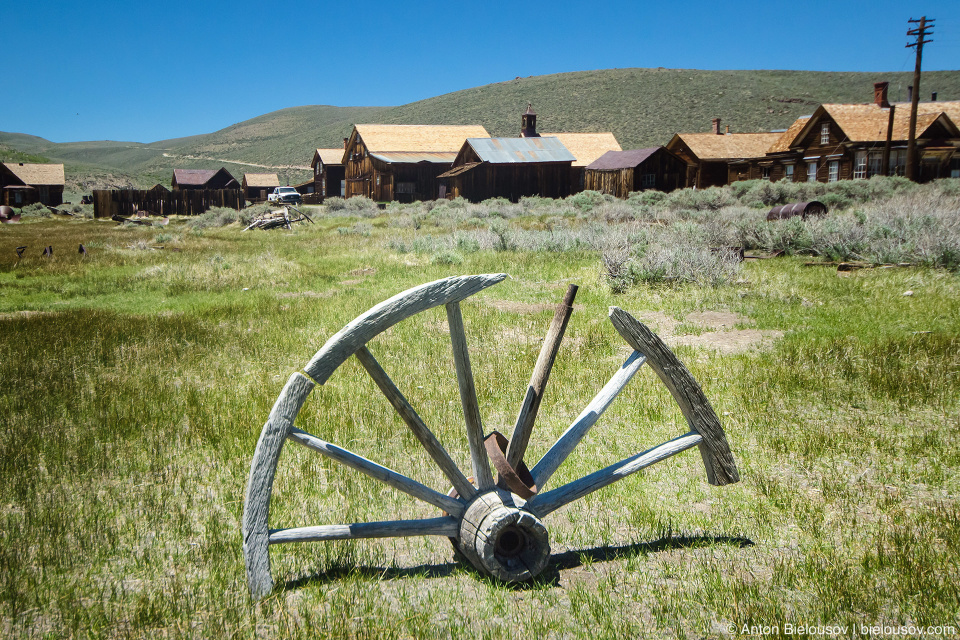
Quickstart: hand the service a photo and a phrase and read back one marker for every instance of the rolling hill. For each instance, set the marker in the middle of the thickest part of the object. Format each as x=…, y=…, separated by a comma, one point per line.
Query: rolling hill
x=642, y=107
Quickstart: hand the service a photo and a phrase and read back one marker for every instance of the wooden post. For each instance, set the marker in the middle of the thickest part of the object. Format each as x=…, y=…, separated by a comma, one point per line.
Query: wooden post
x=920, y=32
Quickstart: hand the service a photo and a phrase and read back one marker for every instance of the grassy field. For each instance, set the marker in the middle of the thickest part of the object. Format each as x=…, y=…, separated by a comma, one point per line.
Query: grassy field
x=136, y=380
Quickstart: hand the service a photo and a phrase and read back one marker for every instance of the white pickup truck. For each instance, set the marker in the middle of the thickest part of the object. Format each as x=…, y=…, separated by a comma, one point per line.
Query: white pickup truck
x=285, y=195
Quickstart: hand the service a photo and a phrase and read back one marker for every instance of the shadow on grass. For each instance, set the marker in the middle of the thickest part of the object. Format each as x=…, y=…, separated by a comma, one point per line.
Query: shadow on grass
x=550, y=576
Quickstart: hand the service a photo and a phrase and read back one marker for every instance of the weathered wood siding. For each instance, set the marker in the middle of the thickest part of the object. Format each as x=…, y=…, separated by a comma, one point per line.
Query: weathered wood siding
x=511, y=181
x=188, y=202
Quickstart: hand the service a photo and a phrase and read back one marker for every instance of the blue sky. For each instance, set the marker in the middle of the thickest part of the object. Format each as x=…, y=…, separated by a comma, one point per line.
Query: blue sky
x=147, y=70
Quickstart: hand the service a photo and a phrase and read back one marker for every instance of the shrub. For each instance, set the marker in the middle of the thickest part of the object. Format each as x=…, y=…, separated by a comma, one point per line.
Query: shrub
x=446, y=256
x=335, y=204
x=215, y=217
x=35, y=210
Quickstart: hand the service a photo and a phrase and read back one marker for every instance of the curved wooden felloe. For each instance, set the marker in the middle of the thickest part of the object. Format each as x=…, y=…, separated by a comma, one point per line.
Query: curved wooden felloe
x=498, y=531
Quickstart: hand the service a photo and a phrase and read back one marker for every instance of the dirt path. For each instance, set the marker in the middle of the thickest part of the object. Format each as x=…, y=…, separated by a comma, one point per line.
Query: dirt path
x=247, y=164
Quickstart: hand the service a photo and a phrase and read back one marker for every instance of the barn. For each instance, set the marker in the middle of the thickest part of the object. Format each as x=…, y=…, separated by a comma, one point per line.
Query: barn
x=620, y=172
x=24, y=183
x=256, y=186
x=509, y=168
x=329, y=172
x=401, y=162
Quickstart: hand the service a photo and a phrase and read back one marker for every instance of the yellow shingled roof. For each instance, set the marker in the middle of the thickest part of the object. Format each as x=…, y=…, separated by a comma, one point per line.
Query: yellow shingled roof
x=788, y=136
x=37, y=174
x=261, y=179
x=868, y=122
x=586, y=147
x=417, y=137
x=330, y=156
x=710, y=146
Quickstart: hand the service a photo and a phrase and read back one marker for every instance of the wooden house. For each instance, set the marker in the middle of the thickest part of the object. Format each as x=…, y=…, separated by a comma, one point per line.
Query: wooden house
x=23, y=183
x=203, y=179
x=620, y=172
x=709, y=155
x=586, y=148
x=329, y=172
x=401, y=162
x=850, y=141
x=256, y=186
x=509, y=168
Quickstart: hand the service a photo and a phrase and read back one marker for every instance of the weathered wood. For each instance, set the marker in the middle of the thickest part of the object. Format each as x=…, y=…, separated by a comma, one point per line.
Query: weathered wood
x=443, y=526
x=550, y=501
x=388, y=313
x=256, y=507
x=412, y=419
x=565, y=445
x=500, y=538
x=523, y=426
x=717, y=458
x=378, y=472
x=468, y=398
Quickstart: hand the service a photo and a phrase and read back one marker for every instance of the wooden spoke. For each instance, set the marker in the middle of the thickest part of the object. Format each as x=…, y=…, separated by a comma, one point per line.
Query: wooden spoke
x=538, y=380
x=468, y=398
x=383, y=474
x=717, y=457
x=445, y=526
x=416, y=424
x=565, y=445
x=550, y=501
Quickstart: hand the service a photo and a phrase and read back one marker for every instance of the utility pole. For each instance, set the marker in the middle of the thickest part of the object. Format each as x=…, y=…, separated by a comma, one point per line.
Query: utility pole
x=920, y=32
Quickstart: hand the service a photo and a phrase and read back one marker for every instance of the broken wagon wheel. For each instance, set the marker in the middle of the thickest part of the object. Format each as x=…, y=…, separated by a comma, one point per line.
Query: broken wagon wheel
x=498, y=531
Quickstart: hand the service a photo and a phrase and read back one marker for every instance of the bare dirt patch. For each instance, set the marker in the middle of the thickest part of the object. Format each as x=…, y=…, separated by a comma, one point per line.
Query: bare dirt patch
x=725, y=338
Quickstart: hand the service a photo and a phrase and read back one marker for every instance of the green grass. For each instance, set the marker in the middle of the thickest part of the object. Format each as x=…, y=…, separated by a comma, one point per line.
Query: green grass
x=136, y=381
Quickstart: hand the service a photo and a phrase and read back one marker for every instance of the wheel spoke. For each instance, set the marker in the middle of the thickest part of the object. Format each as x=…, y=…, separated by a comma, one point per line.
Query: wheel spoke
x=378, y=472
x=565, y=445
x=538, y=380
x=550, y=501
x=468, y=397
x=416, y=424
x=446, y=526
x=717, y=457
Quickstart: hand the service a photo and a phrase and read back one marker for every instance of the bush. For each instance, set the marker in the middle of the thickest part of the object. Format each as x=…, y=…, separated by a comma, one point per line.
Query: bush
x=215, y=217
x=335, y=204
x=35, y=210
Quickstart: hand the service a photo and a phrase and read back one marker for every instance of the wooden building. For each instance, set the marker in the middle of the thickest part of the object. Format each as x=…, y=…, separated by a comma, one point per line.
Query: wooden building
x=256, y=186
x=401, y=162
x=620, y=172
x=849, y=141
x=586, y=148
x=203, y=179
x=509, y=168
x=709, y=155
x=23, y=183
x=329, y=172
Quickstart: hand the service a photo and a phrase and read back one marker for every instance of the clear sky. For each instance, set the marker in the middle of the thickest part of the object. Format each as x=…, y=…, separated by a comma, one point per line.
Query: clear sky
x=145, y=70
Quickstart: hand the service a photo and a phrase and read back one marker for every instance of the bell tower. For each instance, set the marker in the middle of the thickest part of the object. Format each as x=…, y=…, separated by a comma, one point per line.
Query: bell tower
x=528, y=123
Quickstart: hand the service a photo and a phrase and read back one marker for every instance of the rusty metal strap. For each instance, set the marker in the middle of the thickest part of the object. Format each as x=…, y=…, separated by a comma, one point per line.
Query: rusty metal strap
x=516, y=480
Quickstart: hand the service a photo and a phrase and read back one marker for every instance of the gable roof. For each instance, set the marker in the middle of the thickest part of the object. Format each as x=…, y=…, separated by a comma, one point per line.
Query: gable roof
x=868, y=122
x=711, y=146
x=261, y=180
x=417, y=137
x=949, y=107
x=629, y=159
x=193, y=176
x=328, y=156
x=520, y=150
x=788, y=136
x=586, y=147
x=36, y=174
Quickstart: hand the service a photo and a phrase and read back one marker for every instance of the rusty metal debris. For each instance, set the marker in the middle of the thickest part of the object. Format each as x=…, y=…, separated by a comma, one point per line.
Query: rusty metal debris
x=803, y=209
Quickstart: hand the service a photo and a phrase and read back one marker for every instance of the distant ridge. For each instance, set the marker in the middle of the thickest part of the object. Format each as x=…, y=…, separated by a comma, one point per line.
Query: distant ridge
x=642, y=107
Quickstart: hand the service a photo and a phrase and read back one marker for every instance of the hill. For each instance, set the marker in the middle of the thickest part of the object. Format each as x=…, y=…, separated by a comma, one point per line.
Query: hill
x=642, y=107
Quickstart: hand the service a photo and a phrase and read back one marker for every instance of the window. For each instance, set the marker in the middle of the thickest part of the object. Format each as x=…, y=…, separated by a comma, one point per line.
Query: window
x=648, y=181
x=825, y=133
x=874, y=163
x=955, y=168
x=834, y=171
x=898, y=162
x=788, y=172
x=860, y=165
x=765, y=173
x=812, y=171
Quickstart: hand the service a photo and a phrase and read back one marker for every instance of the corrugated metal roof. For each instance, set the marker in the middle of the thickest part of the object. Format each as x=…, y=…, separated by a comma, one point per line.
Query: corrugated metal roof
x=518, y=150
x=629, y=159
x=409, y=157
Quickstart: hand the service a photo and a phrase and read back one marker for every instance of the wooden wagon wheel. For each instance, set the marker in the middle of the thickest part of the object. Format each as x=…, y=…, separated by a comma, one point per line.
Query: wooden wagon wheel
x=500, y=532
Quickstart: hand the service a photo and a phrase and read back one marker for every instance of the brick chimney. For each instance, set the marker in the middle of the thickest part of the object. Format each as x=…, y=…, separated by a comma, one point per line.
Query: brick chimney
x=528, y=123
x=716, y=126
x=728, y=129
x=880, y=94
x=345, y=140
